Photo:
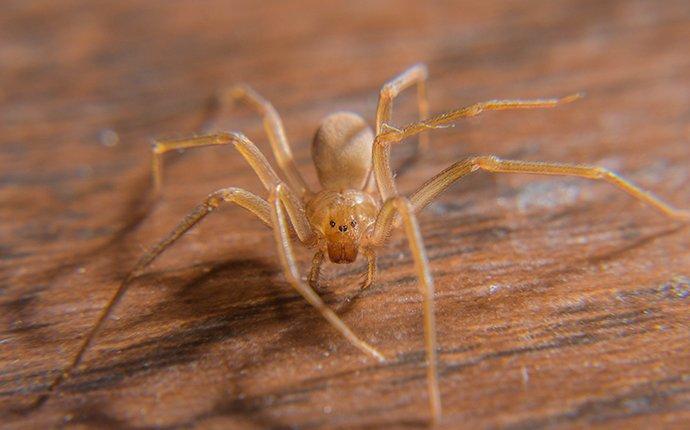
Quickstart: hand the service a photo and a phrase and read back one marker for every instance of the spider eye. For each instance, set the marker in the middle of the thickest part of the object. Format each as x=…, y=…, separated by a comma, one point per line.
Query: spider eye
x=353, y=224
x=332, y=223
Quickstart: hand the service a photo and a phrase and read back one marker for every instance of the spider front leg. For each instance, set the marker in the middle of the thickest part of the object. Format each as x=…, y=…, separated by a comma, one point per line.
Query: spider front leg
x=390, y=135
x=417, y=74
x=384, y=223
x=287, y=260
x=245, y=199
x=434, y=186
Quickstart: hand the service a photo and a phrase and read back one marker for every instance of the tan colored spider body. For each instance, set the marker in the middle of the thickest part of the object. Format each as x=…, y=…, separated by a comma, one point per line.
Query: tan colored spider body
x=348, y=216
x=342, y=151
x=343, y=221
x=342, y=214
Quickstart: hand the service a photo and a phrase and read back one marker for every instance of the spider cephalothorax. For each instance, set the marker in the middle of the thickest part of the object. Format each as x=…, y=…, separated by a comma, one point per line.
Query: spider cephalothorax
x=342, y=219
x=347, y=217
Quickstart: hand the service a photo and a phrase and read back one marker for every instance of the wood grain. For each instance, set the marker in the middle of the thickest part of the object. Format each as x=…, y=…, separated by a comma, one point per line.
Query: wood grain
x=560, y=302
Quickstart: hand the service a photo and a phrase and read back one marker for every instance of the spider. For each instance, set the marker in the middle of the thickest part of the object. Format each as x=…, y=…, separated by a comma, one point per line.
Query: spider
x=358, y=204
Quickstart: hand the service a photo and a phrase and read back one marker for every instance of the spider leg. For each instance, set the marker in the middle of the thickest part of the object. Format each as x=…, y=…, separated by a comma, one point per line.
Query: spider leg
x=287, y=260
x=317, y=263
x=417, y=74
x=245, y=199
x=434, y=186
x=296, y=213
x=315, y=271
x=390, y=135
x=371, y=268
x=275, y=131
x=249, y=151
x=400, y=206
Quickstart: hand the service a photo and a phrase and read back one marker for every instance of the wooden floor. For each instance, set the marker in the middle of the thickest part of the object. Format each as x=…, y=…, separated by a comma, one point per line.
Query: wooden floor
x=561, y=302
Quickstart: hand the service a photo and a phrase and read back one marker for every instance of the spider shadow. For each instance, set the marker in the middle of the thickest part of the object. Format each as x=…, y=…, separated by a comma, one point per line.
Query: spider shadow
x=32, y=331
x=95, y=414
x=232, y=299
x=134, y=210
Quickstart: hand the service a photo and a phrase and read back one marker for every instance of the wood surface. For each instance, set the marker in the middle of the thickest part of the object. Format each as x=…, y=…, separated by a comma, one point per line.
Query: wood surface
x=561, y=303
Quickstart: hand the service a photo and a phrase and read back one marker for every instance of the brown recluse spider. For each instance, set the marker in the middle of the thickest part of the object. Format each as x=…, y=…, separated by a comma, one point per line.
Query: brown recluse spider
x=347, y=216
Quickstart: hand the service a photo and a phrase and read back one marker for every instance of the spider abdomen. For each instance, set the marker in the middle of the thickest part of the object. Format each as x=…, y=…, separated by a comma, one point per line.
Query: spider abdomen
x=341, y=151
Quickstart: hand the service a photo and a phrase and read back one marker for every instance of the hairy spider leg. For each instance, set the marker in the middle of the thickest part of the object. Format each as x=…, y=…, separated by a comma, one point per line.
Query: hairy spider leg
x=371, y=268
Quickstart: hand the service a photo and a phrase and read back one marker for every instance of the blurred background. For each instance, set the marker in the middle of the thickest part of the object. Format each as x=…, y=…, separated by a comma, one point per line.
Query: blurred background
x=85, y=86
